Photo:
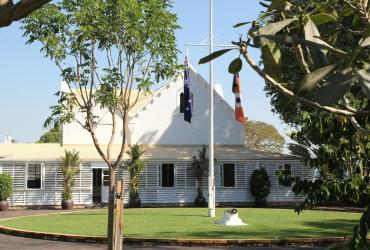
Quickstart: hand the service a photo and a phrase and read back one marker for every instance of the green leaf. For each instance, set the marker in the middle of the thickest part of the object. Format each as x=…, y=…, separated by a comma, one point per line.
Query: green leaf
x=296, y=40
x=213, y=56
x=309, y=81
x=322, y=18
x=335, y=87
x=271, y=56
x=235, y=66
x=365, y=40
x=328, y=9
x=311, y=34
x=365, y=79
x=272, y=29
x=241, y=24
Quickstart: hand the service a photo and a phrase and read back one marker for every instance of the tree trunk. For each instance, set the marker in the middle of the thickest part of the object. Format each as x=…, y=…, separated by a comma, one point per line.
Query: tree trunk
x=112, y=180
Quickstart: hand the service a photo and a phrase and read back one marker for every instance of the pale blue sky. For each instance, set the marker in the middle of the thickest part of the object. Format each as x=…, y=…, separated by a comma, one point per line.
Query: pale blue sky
x=28, y=81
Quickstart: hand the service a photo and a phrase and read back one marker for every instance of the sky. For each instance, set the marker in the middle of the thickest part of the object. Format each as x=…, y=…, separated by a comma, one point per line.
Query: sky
x=28, y=81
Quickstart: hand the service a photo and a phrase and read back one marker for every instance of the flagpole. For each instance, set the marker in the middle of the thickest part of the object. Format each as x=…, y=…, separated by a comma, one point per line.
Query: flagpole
x=211, y=178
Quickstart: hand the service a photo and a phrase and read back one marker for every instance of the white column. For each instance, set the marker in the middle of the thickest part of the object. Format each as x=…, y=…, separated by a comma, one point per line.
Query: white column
x=211, y=178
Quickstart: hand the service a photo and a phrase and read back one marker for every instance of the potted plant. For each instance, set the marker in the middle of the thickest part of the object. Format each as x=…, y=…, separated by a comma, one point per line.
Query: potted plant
x=200, y=167
x=260, y=186
x=135, y=167
x=6, y=187
x=70, y=168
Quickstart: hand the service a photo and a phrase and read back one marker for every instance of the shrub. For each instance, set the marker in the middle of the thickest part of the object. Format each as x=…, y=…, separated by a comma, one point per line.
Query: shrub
x=260, y=184
x=6, y=186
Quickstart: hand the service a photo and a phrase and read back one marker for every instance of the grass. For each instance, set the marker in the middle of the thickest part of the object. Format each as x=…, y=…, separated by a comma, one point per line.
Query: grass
x=194, y=223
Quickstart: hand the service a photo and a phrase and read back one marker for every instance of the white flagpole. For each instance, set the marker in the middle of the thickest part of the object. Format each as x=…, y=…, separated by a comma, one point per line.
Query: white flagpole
x=211, y=178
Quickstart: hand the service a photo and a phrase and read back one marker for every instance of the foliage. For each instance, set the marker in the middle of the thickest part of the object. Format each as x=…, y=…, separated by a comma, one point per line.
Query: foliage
x=104, y=50
x=135, y=167
x=164, y=223
x=200, y=168
x=51, y=136
x=263, y=137
x=6, y=186
x=70, y=168
x=260, y=184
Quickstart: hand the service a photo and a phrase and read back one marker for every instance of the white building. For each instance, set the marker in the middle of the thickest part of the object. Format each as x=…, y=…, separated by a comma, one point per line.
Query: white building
x=170, y=143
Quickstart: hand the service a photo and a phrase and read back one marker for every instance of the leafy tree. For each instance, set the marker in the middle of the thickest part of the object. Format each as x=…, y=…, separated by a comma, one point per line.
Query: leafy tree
x=10, y=12
x=105, y=49
x=135, y=167
x=263, y=137
x=51, y=136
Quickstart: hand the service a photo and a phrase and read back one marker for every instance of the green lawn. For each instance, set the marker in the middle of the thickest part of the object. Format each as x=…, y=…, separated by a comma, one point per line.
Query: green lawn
x=193, y=223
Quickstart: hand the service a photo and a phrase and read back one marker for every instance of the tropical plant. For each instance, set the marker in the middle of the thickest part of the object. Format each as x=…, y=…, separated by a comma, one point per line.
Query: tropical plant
x=6, y=186
x=104, y=50
x=260, y=184
x=135, y=167
x=70, y=168
x=199, y=169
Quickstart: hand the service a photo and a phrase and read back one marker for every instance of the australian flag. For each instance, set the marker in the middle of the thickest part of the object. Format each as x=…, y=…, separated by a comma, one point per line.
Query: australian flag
x=188, y=112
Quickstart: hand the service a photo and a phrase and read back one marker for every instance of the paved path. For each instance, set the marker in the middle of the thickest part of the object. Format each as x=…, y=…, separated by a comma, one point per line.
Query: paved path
x=8, y=242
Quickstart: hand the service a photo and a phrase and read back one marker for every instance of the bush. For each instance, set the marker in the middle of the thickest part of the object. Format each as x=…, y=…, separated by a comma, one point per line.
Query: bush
x=6, y=186
x=260, y=184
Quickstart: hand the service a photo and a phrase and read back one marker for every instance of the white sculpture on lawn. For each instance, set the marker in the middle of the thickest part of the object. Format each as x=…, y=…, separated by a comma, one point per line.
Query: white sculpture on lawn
x=231, y=218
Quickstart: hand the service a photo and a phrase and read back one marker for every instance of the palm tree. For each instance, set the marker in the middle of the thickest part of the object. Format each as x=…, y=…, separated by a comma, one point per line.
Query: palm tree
x=135, y=167
x=200, y=167
x=70, y=168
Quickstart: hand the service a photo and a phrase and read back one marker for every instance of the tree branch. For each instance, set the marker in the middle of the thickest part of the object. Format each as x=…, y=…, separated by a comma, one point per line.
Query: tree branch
x=301, y=59
x=353, y=120
x=10, y=12
x=287, y=92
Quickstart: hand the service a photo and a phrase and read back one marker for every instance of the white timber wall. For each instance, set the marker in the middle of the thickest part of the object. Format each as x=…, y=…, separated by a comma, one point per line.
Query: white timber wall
x=51, y=191
x=160, y=121
x=185, y=191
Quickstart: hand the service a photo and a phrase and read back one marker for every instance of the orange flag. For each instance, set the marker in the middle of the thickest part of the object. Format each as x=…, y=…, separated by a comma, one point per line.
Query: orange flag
x=239, y=114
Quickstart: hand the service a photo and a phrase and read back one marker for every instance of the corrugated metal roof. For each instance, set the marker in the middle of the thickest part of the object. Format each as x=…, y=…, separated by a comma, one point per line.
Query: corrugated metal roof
x=53, y=152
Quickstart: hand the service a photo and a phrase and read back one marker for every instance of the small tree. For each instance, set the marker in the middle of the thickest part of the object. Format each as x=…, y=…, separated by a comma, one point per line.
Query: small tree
x=200, y=167
x=135, y=167
x=104, y=50
x=70, y=168
x=260, y=185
